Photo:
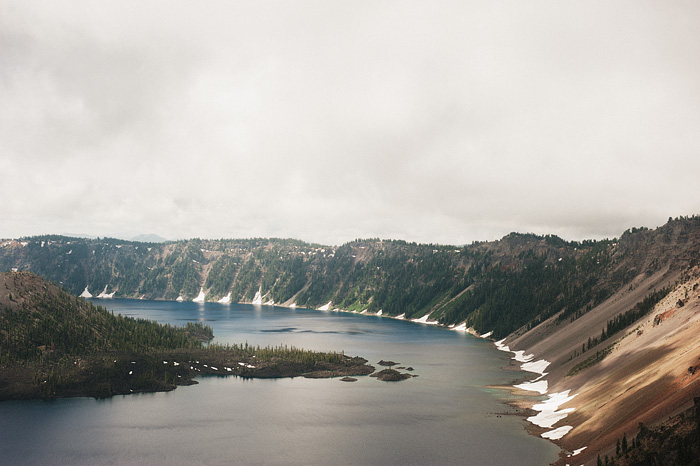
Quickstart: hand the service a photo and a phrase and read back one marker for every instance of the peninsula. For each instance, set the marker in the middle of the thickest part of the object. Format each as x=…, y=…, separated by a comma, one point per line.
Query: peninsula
x=53, y=344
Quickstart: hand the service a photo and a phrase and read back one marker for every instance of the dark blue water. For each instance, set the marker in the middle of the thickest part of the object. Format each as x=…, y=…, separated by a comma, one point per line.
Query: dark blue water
x=446, y=416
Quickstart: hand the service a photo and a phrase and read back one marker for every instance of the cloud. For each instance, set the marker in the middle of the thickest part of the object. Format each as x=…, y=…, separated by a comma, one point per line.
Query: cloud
x=328, y=121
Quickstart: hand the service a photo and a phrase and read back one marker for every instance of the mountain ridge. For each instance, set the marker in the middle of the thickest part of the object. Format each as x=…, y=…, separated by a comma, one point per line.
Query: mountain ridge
x=497, y=286
x=394, y=277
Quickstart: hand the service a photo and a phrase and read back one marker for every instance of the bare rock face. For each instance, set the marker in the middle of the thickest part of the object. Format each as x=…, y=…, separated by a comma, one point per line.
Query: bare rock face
x=390, y=375
x=387, y=363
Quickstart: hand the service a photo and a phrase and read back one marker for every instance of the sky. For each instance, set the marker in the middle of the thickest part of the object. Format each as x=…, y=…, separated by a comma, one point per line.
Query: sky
x=436, y=122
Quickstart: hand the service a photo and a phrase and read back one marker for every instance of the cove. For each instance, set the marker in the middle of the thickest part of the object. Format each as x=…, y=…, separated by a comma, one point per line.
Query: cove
x=445, y=416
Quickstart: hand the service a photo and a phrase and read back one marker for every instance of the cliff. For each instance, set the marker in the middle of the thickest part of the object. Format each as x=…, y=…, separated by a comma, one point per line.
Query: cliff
x=632, y=360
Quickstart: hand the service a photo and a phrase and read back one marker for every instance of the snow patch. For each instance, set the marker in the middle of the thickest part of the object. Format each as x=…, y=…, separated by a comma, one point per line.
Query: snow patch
x=86, y=293
x=537, y=367
x=105, y=295
x=401, y=317
x=258, y=296
x=325, y=307
x=558, y=433
x=180, y=299
x=520, y=356
x=424, y=320
x=501, y=347
x=549, y=413
x=226, y=299
x=200, y=296
x=539, y=386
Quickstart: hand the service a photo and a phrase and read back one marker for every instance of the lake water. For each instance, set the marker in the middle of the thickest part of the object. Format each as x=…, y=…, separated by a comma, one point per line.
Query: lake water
x=446, y=416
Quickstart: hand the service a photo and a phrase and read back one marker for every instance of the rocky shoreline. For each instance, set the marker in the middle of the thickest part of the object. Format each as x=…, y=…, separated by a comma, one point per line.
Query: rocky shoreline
x=104, y=376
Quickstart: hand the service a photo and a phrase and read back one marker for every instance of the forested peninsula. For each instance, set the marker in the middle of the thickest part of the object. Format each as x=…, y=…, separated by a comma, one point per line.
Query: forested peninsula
x=53, y=344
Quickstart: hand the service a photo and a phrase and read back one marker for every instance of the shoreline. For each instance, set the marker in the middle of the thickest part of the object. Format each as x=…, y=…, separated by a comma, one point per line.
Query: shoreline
x=540, y=415
x=124, y=374
x=543, y=414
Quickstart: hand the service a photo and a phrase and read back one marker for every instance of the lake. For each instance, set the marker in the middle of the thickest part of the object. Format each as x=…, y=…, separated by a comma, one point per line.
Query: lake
x=446, y=416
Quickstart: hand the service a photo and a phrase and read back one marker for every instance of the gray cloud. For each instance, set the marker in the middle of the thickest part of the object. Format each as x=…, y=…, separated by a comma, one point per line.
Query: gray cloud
x=327, y=121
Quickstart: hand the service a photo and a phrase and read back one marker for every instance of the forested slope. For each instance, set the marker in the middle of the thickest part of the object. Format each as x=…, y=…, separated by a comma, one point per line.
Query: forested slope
x=499, y=286
x=53, y=344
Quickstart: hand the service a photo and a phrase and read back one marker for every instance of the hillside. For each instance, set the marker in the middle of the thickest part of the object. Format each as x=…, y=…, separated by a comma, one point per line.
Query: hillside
x=53, y=344
x=632, y=358
x=499, y=286
x=613, y=323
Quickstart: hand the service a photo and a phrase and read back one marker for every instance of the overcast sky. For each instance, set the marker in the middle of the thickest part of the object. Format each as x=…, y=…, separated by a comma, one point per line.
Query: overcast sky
x=326, y=121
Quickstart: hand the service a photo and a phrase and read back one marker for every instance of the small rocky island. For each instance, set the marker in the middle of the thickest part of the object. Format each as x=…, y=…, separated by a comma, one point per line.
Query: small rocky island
x=392, y=375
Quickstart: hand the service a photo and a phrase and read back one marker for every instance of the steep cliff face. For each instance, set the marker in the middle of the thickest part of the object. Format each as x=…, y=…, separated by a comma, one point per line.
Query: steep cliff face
x=503, y=286
x=496, y=286
x=632, y=358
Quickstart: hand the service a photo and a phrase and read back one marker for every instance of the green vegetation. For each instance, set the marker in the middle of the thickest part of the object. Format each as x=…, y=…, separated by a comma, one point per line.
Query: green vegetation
x=502, y=286
x=51, y=327
x=672, y=443
x=626, y=318
x=54, y=344
x=488, y=285
x=616, y=324
x=593, y=359
x=271, y=353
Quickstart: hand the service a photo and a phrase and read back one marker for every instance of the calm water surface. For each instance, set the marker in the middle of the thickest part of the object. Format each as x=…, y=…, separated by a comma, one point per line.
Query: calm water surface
x=446, y=416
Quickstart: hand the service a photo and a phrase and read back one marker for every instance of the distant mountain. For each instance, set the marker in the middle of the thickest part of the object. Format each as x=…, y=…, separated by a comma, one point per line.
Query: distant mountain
x=79, y=235
x=149, y=238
